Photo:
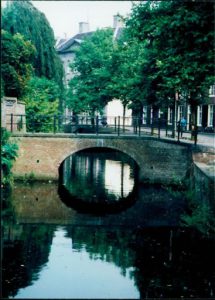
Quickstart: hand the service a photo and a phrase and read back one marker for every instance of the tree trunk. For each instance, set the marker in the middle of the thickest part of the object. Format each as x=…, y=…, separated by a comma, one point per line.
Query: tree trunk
x=123, y=118
x=174, y=118
x=93, y=118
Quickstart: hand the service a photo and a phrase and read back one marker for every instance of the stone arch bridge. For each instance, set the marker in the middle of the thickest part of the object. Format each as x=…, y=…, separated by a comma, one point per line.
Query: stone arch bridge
x=159, y=160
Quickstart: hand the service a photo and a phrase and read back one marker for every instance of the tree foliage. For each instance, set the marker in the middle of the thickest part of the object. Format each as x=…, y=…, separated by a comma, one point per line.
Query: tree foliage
x=8, y=155
x=176, y=35
x=129, y=81
x=16, y=69
x=90, y=90
x=22, y=17
x=42, y=100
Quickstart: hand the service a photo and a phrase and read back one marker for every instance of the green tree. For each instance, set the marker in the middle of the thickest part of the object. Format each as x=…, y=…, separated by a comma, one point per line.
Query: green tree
x=42, y=100
x=16, y=69
x=22, y=17
x=177, y=34
x=127, y=78
x=90, y=90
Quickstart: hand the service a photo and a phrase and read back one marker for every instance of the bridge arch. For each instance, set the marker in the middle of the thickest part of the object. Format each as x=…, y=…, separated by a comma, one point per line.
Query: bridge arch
x=158, y=160
x=100, y=147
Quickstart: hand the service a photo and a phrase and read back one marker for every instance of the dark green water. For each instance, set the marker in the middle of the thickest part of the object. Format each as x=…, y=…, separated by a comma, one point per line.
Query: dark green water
x=126, y=244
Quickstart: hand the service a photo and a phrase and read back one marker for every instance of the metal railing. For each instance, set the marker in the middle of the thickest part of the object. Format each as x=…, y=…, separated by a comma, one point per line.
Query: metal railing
x=112, y=125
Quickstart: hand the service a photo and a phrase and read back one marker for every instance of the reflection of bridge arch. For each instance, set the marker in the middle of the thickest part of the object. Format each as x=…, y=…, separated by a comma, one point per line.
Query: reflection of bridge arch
x=112, y=174
x=103, y=147
x=158, y=160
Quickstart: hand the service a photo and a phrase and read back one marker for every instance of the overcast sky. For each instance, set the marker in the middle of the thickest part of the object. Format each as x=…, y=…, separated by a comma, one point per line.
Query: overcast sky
x=64, y=16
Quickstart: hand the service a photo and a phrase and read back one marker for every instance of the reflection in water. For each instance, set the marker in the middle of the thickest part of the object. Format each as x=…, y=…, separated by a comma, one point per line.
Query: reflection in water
x=71, y=272
x=52, y=251
x=117, y=177
x=98, y=180
x=40, y=203
x=100, y=262
x=25, y=254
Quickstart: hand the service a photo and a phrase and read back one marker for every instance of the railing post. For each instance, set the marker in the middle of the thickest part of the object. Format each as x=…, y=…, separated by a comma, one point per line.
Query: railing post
x=166, y=127
x=21, y=122
x=123, y=124
x=32, y=123
x=11, y=122
x=54, y=124
x=195, y=134
x=152, y=129
x=179, y=130
x=159, y=128
x=58, y=122
x=118, y=125
x=139, y=125
x=115, y=124
x=173, y=128
x=61, y=122
x=97, y=125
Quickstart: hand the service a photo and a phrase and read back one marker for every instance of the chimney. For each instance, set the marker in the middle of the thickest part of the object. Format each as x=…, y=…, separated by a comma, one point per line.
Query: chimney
x=83, y=27
x=117, y=22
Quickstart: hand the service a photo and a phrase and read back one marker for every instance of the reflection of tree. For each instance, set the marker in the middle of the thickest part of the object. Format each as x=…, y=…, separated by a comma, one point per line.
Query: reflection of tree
x=166, y=263
x=110, y=245
x=24, y=255
x=187, y=272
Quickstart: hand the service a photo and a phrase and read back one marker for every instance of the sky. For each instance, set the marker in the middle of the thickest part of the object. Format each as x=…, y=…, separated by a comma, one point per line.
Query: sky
x=64, y=16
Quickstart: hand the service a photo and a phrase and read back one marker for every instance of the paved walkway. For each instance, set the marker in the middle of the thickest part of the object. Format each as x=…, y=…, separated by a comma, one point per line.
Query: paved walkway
x=202, y=139
x=206, y=139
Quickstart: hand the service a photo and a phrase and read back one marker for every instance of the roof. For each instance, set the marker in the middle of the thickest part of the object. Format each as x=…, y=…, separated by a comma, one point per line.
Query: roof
x=78, y=38
x=60, y=41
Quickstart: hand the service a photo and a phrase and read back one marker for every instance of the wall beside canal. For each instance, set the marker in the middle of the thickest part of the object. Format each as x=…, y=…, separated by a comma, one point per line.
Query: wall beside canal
x=40, y=155
x=203, y=175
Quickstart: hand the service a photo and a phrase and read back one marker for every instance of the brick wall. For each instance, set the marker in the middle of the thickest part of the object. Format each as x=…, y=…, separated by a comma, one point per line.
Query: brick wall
x=159, y=161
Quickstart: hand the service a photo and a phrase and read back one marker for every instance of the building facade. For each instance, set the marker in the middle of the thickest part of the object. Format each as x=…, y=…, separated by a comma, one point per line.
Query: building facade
x=205, y=114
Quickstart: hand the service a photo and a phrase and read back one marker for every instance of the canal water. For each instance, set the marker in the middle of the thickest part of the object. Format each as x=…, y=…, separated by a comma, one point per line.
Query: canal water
x=99, y=233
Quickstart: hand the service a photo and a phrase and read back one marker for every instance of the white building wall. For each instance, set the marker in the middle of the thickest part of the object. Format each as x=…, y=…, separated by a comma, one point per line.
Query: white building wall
x=114, y=109
x=67, y=59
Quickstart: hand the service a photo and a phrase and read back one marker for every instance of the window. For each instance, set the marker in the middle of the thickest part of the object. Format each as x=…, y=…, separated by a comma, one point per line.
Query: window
x=169, y=115
x=144, y=114
x=199, y=115
x=210, y=115
x=212, y=91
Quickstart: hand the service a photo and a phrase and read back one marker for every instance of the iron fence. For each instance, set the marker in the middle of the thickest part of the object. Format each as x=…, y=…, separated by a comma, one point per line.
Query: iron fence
x=81, y=124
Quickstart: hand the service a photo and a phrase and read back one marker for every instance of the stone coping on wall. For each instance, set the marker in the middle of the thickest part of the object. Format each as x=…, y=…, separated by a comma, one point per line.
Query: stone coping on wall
x=195, y=148
x=99, y=136
x=207, y=169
